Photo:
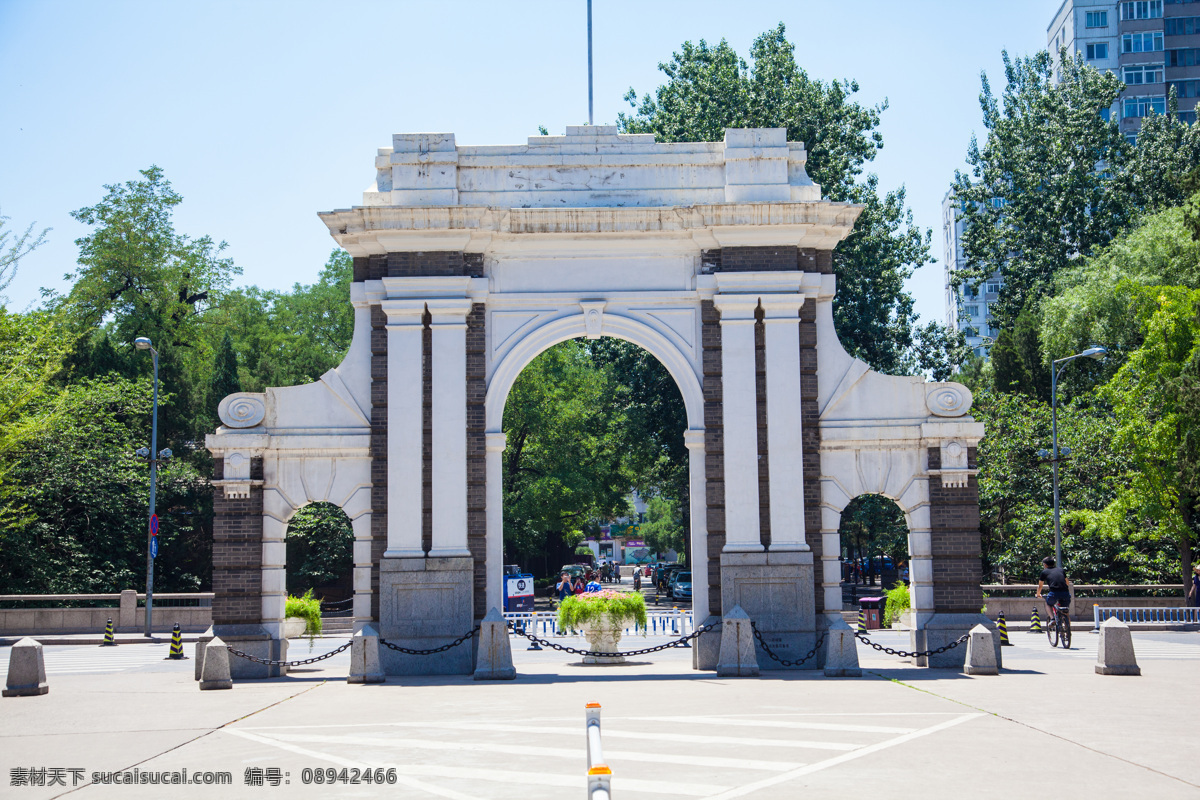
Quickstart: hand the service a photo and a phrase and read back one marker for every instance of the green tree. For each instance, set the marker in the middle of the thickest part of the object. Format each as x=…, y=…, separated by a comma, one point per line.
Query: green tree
x=320, y=548
x=664, y=528
x=1048, y=185
x=709, y=89
x=1009, y=372
x=14, y=247
x=1167, y=150
x=224, y=380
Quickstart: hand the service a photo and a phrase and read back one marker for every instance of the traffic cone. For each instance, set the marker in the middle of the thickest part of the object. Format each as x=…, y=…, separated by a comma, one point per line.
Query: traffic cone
x=862, y=620
x=176, y=653
x=1003, y=626
x=108, y=635
x=1035, y=622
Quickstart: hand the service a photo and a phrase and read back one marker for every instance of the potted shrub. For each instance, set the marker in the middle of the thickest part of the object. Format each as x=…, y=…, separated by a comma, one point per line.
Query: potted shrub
x=602, y=616
x=302, y=615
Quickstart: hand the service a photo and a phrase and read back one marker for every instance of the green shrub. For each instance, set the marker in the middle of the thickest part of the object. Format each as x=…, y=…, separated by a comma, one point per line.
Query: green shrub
x=594, y=606
x=897, y=603
x=307, y=607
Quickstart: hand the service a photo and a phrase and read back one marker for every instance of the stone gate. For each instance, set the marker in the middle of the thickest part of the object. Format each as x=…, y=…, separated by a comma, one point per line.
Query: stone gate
x=470, y=261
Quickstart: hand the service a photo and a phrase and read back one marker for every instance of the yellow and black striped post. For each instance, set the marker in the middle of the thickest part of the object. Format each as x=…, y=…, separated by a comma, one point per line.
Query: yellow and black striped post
x=176, y=653
x=108, y=635
x=1003, y=626
x=1035, y=622
x=862, y=620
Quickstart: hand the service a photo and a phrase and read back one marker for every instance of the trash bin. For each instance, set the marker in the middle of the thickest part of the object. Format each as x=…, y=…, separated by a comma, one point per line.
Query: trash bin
x=872, y=608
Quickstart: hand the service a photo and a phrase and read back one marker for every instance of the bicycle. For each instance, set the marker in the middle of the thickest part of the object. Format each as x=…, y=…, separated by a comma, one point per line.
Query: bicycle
x=1058, y=627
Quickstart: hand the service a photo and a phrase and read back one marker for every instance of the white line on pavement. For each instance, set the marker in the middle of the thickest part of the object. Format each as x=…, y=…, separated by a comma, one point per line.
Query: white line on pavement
x=774, y=780
x=753, y=723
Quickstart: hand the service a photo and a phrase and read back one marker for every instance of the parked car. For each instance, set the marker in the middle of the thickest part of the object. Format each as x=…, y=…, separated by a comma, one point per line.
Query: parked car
x=667, y=573
x=680, y=586
x=574, y=570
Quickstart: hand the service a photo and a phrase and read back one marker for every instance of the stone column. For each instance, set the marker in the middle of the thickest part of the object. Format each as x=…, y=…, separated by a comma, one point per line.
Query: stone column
x=274, y=575
x=739, y=410
x=920, y=563
x=496, y=442
x=785, y=441
x=449, y=438
x=404, y=400
x=362, y=570
x=698, y=508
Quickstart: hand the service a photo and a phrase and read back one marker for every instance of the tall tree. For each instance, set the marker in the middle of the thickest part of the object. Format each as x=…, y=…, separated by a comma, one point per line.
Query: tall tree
x=14, y=247
x=709, y=89
x=224, y=380
x=1048, y=185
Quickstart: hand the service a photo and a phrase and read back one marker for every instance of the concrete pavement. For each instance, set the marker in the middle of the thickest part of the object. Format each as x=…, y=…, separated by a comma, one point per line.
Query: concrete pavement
x=1048, y=723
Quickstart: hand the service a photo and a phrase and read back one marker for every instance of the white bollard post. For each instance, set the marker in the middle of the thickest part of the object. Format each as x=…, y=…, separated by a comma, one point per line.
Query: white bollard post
x=1115, y=655
x=26, y=670
x=841, y=651
x=981, y=653
x=493, y=659
x=364, y=657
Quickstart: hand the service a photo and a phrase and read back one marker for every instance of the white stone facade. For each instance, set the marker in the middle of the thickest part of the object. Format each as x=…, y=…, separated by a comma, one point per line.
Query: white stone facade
x=586, y=235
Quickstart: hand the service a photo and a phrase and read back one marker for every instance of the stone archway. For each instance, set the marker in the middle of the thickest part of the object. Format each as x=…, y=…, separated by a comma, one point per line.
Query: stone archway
x=716, y=257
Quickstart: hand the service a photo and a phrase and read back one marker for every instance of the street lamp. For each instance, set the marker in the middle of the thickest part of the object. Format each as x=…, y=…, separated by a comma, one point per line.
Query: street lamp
x=143, y=343
x=1056, y=455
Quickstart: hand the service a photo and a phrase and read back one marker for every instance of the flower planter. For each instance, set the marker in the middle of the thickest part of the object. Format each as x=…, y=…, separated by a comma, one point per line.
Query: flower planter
x=604, y=636
x=293, y=627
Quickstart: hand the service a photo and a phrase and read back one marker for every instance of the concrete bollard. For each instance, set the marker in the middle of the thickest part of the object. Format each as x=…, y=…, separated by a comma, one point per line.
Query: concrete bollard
x=201, y=642
x=738, y=658
x=1115, y=655
x=493, y=658
x=981, y=653
x=26, y=670
x=841, y=651
x=364, y=657
x=215, y=674
x=708, y=646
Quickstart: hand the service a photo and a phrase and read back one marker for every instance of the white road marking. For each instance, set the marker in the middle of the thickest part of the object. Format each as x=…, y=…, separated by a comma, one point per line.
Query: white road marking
x=542, y=752
x=775, y=780
x=814, y=726
x=345, y=762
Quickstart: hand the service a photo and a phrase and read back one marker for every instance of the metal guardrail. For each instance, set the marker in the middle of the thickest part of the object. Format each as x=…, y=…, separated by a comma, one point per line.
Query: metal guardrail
x=1160, y=615
x=658, y=623
x=1089, y=589
x=599, y=776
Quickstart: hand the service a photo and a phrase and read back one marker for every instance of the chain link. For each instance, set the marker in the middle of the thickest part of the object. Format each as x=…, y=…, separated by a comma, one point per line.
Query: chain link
x=273, y=663
x=905, y=654
x=783, y=661
x=409, y=651
x=680, y=642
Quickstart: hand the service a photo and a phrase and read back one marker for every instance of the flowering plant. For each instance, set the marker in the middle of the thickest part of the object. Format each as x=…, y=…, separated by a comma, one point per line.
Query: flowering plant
x=591, y=607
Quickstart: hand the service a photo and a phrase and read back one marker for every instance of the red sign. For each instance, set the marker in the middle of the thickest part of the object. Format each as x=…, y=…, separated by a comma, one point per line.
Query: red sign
x=154, y=524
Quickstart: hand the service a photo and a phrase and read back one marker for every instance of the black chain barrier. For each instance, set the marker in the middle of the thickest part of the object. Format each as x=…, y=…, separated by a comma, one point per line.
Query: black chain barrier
x=783, y=661
x=680, y=642
x=409, y=651
x=905, y=654
x=273, y=663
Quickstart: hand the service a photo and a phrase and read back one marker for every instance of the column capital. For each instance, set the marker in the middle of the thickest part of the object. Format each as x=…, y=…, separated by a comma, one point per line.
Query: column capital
x=781, y=307
x=736, y=308
x=448, y=310
x=403, y=312
x=495, y=441
x=693, y=439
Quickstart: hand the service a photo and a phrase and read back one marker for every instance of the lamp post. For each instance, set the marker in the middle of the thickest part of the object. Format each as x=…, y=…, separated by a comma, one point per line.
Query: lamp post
x=1054, y=456
x=154, y=456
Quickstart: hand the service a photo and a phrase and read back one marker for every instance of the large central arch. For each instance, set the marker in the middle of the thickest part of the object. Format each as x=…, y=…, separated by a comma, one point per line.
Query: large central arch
x=715, y=257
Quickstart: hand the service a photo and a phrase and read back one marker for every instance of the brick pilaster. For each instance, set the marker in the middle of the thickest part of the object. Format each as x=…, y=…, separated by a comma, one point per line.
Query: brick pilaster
x=237, y=552
x=954, y=519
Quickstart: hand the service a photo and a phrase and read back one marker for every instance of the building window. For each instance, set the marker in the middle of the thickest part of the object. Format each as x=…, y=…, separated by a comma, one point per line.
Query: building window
x=1185, y=88
x=1187, y=116
x=1097, y=19
x=1106, y=114
x=1181, y=26
x=1142, y=9
x=971, y=311
x=1097, y=50
x=1145, y=42
x=1143, y=73
x=1185, y=57
x=993, y=288
x=1142, y=106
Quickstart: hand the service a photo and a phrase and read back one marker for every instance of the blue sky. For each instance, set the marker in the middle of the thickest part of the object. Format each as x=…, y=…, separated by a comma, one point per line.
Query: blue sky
x=264, y=113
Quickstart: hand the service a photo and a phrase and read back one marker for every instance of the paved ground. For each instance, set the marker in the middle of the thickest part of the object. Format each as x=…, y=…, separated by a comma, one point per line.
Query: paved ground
x=668, y=731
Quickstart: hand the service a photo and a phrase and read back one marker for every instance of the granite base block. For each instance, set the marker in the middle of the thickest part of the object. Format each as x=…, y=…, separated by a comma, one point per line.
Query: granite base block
x=251, y=640
x=425, y=603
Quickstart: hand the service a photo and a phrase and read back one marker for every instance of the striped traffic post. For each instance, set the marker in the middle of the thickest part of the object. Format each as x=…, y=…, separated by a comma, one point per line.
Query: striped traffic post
x=862, y=620
x=108, y=635
x=1035, y=622
x=1000, y=623
x=176, y=653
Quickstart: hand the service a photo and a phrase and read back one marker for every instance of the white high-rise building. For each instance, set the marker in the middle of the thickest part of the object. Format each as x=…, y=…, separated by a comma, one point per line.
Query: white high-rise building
x=968, y=308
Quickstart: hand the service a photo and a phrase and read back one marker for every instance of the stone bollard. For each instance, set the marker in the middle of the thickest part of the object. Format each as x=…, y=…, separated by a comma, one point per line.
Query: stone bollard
x=364, y=657
x=708, y=647
x=738, y=658
x=1115, y=656
x=26, y=670
x=841, y=651
x=493, y=658
x=215, y=674
x=202, y=642
x=981, y=653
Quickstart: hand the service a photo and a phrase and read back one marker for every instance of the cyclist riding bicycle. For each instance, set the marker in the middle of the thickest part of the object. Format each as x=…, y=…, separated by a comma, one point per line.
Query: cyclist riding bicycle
x=1058, y=587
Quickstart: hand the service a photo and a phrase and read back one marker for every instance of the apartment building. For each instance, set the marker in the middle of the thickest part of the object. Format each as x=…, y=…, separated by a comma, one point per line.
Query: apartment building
x=968, y=308
x=1149, y=44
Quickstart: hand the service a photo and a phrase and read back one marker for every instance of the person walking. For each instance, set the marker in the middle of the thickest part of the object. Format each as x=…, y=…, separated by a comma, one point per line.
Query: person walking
x=1194, y=592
